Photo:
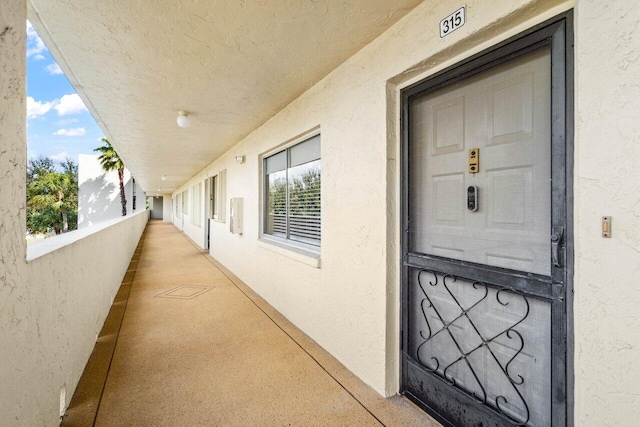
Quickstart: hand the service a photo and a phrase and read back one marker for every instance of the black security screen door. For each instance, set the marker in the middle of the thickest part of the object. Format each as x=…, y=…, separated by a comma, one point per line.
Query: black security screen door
x=486, y=237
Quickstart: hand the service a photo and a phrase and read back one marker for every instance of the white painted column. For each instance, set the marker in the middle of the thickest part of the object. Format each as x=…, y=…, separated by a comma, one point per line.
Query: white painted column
x=18, y=334
x=13, y=146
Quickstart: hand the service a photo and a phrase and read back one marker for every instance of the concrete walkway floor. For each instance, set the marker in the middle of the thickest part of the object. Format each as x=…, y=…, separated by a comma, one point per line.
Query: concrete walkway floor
x=188, y=344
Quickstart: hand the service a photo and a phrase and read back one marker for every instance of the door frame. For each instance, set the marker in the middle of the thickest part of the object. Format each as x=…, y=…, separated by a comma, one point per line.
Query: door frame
x=558, y=34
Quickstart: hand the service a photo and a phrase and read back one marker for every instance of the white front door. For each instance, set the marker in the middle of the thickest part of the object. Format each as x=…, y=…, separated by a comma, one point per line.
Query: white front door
x=503, y=113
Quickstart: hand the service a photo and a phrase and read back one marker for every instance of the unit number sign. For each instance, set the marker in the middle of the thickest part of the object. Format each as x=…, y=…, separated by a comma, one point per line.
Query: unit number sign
x=452, y=22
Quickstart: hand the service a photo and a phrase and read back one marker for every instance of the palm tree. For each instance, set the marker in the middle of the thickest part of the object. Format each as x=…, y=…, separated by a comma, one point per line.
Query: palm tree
x=56, y=191
x=110, y=161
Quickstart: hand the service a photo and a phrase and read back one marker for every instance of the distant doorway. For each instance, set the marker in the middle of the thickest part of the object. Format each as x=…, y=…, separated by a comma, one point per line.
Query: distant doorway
x=156, y=206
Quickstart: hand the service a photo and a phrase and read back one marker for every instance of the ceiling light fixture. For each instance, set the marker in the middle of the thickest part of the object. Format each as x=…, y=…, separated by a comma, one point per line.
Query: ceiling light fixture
x=183, y=119
x=164, y=177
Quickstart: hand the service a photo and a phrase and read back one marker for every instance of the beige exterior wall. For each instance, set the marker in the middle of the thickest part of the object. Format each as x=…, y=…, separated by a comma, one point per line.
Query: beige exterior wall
x=194, y=231
x=350, y=304
x=607, y=290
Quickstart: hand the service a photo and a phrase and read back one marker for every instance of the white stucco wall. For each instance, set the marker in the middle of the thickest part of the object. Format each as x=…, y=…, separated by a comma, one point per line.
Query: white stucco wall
x=53, y=306
x=607, y=291
x=195, y=232
x=350, y=304
x=178, y=214
x=20, y=343
x=99, y=192
x=167, y=214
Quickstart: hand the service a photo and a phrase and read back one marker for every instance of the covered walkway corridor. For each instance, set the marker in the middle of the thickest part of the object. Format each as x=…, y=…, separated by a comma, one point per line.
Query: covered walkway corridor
x=187, y=343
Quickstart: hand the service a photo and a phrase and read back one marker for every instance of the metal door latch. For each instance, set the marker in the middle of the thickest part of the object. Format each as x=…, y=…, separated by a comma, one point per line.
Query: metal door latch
x=556, y=239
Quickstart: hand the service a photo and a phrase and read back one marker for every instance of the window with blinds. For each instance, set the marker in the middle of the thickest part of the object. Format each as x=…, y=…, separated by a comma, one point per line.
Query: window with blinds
x=292, y=193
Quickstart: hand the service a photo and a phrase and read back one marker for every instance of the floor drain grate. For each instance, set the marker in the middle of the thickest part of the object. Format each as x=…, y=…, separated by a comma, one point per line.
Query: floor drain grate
x=185, y=292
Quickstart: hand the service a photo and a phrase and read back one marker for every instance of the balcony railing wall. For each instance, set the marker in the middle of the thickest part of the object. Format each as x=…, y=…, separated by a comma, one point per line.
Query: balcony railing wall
x=67, y=287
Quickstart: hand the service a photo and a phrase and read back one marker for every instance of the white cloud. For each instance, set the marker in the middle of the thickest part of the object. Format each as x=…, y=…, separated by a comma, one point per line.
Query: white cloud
x=39, y=57
x=60, y=157
x=53, y=69
x=39, y=108
x=71, y=132
x=65, y=122
x=70, y=104
x=35, y=46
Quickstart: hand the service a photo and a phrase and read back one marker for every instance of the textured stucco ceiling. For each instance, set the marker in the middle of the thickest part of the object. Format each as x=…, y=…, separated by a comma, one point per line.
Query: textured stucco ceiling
x=232, y=64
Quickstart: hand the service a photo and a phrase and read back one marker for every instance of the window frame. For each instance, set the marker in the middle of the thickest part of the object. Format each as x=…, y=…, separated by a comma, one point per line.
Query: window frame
x=286, y=242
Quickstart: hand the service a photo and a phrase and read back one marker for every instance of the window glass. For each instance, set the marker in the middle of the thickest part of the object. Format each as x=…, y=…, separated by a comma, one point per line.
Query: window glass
x=292, y=193
x=277, y=162
x=304, y=202
x=305, y=152
x=277, y=204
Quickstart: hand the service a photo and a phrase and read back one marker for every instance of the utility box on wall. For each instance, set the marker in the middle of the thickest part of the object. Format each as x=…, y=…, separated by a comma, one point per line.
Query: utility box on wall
x=235, y=216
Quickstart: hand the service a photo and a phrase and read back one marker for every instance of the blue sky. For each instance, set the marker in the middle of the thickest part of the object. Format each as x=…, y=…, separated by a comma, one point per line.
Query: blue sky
x=58, y=123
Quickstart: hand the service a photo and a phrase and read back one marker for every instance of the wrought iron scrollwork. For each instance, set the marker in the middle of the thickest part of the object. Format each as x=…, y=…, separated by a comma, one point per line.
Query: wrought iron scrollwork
x=434, y=365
